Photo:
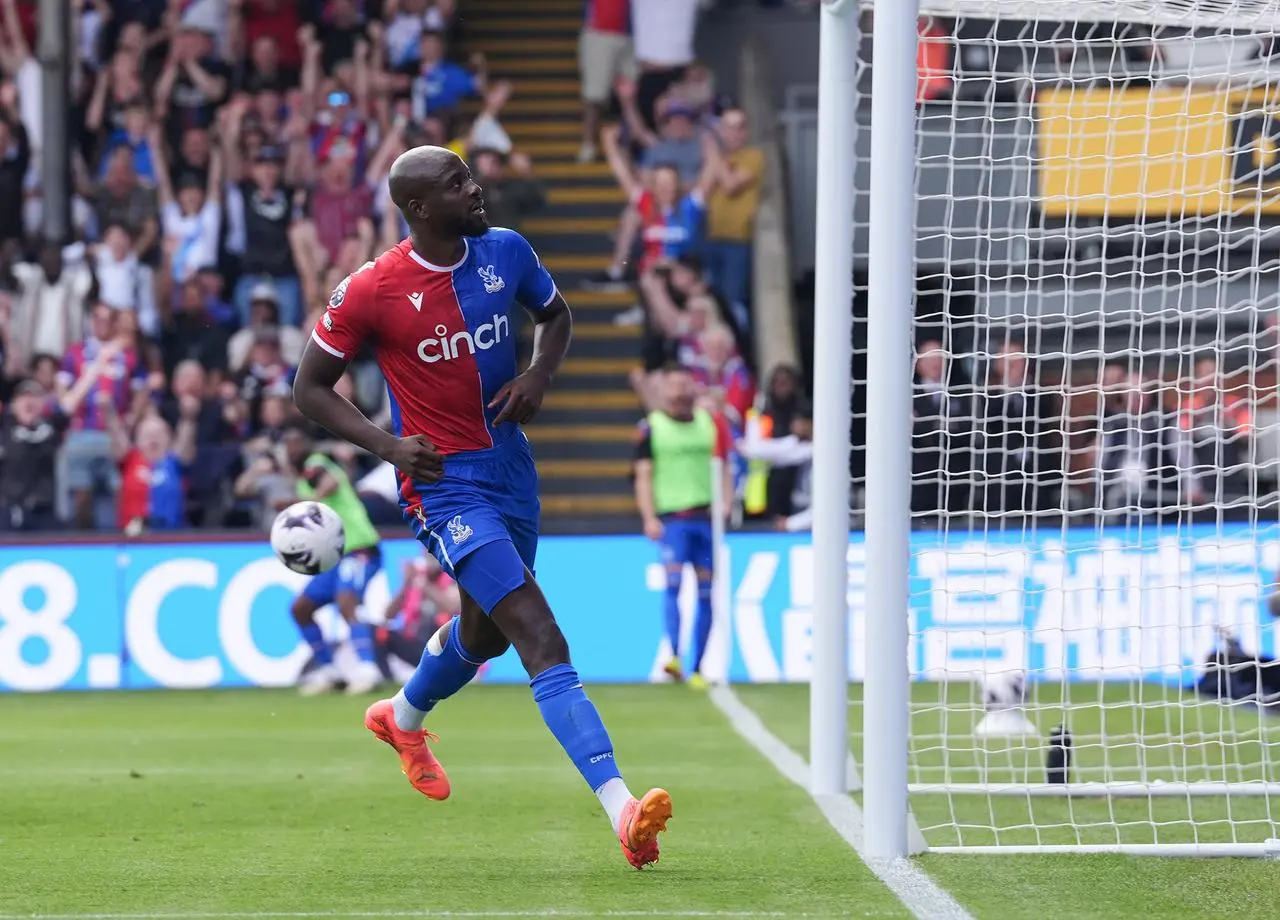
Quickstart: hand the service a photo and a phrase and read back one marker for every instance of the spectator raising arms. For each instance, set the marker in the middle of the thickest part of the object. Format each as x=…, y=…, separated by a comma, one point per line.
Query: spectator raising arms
x=229, y=162
x=152, y=466
x=192, y=218
x=125, y=282
x=116, y=381
x=260, y=213
x=194, y=82
x=669, y=220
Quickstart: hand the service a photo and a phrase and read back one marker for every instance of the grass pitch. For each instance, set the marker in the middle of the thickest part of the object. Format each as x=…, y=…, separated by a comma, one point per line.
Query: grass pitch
x=1172, y=737
x=258, y=803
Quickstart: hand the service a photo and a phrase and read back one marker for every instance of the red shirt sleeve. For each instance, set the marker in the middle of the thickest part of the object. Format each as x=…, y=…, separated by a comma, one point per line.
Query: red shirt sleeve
x=344, y=326
x=724, y=437
x=740, y=392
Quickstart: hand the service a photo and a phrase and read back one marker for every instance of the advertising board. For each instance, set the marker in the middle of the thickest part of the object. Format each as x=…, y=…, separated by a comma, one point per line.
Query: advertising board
x=1081, y=605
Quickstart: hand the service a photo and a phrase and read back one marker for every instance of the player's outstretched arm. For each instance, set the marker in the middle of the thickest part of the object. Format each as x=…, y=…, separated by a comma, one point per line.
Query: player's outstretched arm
x=315, y=398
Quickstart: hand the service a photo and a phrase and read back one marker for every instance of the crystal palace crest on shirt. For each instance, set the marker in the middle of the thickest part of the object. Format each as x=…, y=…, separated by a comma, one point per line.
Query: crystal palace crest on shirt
x=493, y=282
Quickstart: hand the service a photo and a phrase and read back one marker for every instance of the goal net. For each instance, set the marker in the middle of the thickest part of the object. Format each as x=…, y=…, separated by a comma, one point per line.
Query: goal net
x=1096, y=433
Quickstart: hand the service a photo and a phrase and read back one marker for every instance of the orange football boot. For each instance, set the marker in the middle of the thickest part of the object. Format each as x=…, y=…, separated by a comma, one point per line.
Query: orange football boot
x=416, y=760
x=643, y=820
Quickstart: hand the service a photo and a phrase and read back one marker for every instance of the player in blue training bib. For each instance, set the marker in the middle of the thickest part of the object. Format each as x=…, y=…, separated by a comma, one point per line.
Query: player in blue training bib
x=437, y=311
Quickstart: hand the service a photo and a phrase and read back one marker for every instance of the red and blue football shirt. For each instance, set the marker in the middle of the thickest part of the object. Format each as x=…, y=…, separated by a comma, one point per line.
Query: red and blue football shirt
x=443, y=335
x=153, y=493
x=121, y=377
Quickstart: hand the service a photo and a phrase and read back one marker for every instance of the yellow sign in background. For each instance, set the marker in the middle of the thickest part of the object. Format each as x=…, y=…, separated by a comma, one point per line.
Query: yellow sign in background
x=1160, y=152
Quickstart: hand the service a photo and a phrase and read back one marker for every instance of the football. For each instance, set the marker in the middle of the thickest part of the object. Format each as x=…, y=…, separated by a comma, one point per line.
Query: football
x=308, y=537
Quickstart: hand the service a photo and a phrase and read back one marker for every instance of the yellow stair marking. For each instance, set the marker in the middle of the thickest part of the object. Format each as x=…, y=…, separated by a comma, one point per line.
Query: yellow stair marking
x=519, y=7
x=477, y=11
x=540, y=54
x=562, y=105
x=479, y=25
x=539, y=147
x=564, y=128
x=621, y=298
x=586, y=196
x=607, y=331
x=581, y=469
x=577, y=263
x=548, y=170
x=583, y=305
x=587, y=367
x=549, y=86
x=581, y=505
x=590, y=434
x=602, y=332
x=562, y=226
x=520, y=67
x=541, y=44
x=591, y=399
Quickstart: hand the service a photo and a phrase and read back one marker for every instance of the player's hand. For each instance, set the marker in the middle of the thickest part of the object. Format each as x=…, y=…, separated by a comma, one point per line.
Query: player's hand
x=417, y=458
x=653, y=529
x=520, y=398
x=189, y=406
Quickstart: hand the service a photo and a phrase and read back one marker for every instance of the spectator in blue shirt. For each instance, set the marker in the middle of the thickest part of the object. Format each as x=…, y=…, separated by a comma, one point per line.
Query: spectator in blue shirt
x=441, y=85
x=135, y=136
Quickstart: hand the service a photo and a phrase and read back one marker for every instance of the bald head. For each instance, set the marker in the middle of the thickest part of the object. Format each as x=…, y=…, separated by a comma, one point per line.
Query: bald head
x=432, y=187
x=417, y=171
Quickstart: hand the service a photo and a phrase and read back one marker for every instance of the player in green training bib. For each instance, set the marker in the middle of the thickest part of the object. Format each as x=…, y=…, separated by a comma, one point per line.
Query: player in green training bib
x=674, y=446
x=320, y=478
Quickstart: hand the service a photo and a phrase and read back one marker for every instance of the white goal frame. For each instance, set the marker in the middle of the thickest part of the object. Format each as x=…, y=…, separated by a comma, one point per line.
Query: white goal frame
x=889, y=827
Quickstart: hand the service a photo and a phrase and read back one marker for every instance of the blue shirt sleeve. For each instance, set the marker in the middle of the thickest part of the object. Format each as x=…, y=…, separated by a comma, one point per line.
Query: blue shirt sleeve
x=689, y=214
x=535, y=289
x=459, y=84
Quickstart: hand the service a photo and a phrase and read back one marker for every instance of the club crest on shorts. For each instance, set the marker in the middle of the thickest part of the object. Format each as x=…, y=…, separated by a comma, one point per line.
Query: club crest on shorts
x=493, y=282
x=458, y=531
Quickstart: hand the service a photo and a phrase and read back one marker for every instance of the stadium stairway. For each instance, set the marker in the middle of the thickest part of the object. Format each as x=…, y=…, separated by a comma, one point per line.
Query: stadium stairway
x=582, y=437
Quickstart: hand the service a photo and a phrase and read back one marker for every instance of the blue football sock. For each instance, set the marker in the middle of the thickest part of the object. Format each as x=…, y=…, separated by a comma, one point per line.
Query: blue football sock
x=702, y=624
x=362, y=642
x=312, y=635
x=671, y=611
x=573, y=719
x=441, y=674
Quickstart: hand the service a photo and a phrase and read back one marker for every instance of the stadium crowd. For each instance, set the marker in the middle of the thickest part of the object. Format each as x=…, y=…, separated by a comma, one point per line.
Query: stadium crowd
x=229, y=169
x=1123, y=436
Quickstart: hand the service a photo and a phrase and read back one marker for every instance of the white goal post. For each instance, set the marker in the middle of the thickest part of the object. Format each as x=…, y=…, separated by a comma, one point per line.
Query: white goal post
x=1070, y=534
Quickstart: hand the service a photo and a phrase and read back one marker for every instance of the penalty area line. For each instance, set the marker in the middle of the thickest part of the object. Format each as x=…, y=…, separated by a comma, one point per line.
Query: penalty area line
x=910, y=884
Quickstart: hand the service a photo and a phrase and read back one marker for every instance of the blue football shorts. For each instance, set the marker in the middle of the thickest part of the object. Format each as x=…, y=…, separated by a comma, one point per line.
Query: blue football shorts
x=486, y=497
x=351, y=575
x=686, y=540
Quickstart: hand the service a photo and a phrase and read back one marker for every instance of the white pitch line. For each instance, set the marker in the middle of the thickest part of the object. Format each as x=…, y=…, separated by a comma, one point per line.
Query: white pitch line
x=921, y=895
x=381, y=914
